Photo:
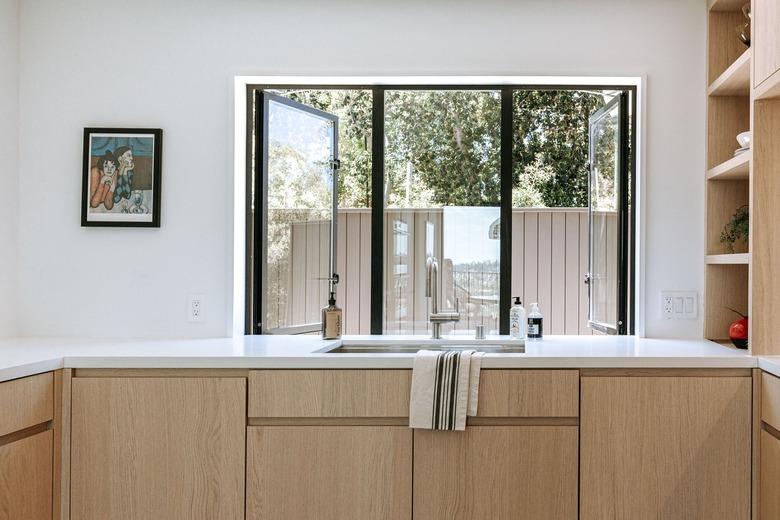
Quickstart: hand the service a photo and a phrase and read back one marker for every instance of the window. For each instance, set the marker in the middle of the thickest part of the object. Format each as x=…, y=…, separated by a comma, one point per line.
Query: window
x=443, y=182
x=492, y=181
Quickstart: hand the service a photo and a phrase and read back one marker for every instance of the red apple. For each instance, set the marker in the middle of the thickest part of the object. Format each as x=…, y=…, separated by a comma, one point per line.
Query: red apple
x=738, y=332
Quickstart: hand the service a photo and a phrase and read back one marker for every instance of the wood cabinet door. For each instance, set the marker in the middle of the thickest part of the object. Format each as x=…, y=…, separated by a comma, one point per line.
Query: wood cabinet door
x=770, y=476
x=171, y=448
x=496, y=472
x=665, y=447
x=766, y=38
x=329, y=472
x=26, y=478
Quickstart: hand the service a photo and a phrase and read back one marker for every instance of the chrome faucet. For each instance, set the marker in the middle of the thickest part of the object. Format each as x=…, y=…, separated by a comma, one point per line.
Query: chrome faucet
x=436, y=317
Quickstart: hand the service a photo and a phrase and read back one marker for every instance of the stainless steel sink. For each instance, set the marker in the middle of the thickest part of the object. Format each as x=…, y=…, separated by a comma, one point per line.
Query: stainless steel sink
x=411, y=349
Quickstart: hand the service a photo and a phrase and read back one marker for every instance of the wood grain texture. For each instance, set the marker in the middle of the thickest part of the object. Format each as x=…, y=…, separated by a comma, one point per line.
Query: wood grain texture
x=528, y=393
x=329, y=472
x=724, y=48
x=735, y=80
x=755, y=473
x=61, y=432
x=160, y=372
x=727, y=116
x=765, y=232
x=723, y=200
x=496, y=472
x=329, y=393
x=26, y=402
x=727, y=286
x=26, y=478
x=57, y=446
x=766, y=39
x=665, y=447
x=170, y=448
x=770, y=400
x=770, y=477
x=666, y=372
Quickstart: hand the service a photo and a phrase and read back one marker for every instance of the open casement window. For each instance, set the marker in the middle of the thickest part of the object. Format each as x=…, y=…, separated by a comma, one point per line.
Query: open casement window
x=298, y=162
x=608, y=198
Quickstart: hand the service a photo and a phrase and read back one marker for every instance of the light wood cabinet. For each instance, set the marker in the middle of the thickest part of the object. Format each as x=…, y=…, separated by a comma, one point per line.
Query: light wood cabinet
x=500, y=472
x=329, y=472
x=766, y=38
x=145, y=447
x=770, y=476
x=26, y=402
x=26, y=478
x=665, y=447
x=770, y=400
x=329, y=393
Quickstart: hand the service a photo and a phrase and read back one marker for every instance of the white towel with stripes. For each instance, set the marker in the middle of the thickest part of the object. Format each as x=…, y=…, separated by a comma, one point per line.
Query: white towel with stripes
x=445, y=389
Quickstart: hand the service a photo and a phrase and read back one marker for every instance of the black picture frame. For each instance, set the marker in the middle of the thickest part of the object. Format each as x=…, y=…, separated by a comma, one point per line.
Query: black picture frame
x=116, y=219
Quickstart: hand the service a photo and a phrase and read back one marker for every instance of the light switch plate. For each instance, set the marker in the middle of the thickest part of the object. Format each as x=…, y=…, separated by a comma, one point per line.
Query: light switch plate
x=679, y=305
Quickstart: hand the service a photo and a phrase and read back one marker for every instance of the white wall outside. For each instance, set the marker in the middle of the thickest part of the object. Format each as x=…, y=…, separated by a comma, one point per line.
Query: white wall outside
x=171, y=65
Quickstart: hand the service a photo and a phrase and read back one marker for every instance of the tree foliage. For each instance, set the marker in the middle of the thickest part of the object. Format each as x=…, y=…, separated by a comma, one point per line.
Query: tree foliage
x=550, y=145
x=442, y=147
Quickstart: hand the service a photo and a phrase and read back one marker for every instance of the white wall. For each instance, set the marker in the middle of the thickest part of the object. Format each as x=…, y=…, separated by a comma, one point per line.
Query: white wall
x=9, y=162
x=171, y=64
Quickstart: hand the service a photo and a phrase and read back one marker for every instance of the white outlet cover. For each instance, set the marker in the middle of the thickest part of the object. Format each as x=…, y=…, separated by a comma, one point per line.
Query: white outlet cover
x=679, y=305
x=195, y=308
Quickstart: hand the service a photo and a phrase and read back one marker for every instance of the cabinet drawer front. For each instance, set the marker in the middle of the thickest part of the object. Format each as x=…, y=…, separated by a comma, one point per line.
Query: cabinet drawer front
x=529, y=393
x=329, y=393
x=770, y=400
x=26, y=478
x=329, y=472
x=26, y=402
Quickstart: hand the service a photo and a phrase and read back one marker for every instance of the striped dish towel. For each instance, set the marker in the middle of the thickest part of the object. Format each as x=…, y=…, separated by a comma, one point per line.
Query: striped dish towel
x=445, y=386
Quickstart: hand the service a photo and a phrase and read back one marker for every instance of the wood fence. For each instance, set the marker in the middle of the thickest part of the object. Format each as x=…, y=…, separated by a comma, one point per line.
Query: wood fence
x=549, y=262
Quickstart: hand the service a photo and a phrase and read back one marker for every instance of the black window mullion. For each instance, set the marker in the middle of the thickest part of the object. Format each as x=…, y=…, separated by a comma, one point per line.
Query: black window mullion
x=505, y=263
x=623, y=217
x=377, y=208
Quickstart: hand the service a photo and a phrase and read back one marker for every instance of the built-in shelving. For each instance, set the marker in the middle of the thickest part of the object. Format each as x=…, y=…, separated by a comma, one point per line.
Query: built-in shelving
x=737, y=167
x=729, y=258
x=769, y=88
x=735, y=80
x=728, y=177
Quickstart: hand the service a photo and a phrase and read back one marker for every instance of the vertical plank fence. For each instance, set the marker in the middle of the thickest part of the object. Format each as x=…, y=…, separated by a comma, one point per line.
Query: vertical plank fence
x=549, y=262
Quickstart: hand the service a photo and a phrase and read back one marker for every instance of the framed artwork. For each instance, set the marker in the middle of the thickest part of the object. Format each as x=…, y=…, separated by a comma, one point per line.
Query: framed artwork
x=121, y=183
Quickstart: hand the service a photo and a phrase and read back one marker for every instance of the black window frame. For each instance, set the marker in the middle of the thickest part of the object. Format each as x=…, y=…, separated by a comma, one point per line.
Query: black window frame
x=254, y=183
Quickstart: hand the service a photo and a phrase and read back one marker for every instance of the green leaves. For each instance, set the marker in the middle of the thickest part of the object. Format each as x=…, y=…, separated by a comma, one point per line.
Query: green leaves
x=442, y=148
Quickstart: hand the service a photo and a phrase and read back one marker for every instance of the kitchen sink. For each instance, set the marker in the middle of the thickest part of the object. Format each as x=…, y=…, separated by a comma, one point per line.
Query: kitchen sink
x=515, y=348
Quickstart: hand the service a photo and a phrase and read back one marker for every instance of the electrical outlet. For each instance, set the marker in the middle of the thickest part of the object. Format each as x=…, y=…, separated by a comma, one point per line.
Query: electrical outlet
x=679, y=305
x=195, y=308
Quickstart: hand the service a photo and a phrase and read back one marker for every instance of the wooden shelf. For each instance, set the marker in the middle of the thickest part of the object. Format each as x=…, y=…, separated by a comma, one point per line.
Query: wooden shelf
x=769, y=88
x=738, y=167
x=728, y=259
x=735, y=80
x=727, y=343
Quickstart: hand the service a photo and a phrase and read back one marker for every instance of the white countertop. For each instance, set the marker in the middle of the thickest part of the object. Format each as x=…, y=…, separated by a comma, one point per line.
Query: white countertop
x=770, y=363
x=27, y=356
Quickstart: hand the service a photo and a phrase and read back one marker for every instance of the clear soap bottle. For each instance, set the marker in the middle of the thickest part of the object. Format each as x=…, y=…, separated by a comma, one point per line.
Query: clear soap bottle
x=331, y=319
x=517, y=320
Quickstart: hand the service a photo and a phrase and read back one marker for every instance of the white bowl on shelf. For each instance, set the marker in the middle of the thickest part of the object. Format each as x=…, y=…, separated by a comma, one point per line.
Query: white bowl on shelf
x=744, y=139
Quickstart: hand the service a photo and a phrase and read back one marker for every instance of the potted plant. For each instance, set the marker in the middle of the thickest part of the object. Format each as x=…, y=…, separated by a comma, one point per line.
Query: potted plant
x=737, y=229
